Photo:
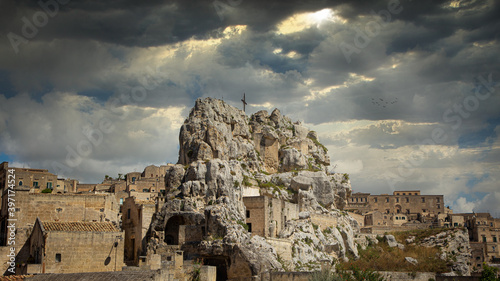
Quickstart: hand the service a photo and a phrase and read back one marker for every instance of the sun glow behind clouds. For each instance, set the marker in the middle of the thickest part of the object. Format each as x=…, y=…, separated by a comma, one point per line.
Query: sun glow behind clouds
x=303, y=21
x=321, y=16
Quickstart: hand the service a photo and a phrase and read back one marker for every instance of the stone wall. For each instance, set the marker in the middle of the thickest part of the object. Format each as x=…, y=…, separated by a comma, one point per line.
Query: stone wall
x=257, y=215
x=324, y=221
x=190, y=233
x=458, y=278
x=395, y=204
x=59, y=207
x=389, y=276
x=407, y=276
x=282, y=246
x=359, y=218
x=83, y=252
x=136, y=221
x=286, y=276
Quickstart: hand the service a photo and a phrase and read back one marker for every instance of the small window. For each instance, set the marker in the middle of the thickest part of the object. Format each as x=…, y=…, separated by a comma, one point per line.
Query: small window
x=133, y=179
x=387, y=199
x=249, y=227
x=437, y=199
x=397, y=200
x=145, y=190
x=407, y=199
x=484, y=238
x=128, y=213
x=35, y=184
x=375, y=200
x=439, y=206
x=404, y=193
x=423, y=199
x=20, y=183
x=494, y=239
x=248, y=214
x=58, y=257
x=403, y=218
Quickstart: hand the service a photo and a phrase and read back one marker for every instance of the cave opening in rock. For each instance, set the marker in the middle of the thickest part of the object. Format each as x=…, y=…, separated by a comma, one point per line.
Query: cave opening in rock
x=172, y=230
x=222, y=265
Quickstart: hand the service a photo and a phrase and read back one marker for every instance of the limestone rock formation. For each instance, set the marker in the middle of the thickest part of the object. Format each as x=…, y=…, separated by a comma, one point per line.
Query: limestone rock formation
x=455, y=247
x=222, y=152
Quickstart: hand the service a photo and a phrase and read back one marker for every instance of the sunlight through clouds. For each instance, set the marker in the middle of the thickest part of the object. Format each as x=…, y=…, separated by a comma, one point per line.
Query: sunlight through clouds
x=303, y=21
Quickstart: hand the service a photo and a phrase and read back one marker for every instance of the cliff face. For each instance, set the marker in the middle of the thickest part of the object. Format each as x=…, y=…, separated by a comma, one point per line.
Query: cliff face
x=268, y=142
x=222, y=153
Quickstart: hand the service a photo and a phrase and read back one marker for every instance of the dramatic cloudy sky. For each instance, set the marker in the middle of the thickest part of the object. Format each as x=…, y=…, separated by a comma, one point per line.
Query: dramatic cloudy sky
x=404, y=94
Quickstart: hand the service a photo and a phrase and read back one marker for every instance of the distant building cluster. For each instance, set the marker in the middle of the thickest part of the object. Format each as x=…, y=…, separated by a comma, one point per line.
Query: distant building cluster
x=412, y=210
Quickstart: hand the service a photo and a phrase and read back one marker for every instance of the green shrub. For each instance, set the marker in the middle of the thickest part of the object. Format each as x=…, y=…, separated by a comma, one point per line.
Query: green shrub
x=246, y=182
x=489, y=273
x=47, y=190
x=242, y=223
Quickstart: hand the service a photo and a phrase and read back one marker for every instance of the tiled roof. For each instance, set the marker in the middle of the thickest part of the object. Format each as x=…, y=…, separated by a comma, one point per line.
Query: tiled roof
x=80, y=226
x=97, y=276
x=14, y=277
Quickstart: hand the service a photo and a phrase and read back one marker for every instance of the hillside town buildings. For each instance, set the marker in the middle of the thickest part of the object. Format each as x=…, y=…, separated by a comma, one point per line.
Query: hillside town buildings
x=64, y=226
x=398, y=208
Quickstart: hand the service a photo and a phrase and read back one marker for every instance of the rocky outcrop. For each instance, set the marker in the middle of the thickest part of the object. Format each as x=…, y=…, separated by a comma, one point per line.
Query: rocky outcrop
x=455, y=248
x=222, y=151
x=270, y=142
x=311, y=245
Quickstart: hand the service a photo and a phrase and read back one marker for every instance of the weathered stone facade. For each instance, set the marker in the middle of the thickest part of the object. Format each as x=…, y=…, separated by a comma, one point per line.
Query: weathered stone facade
x=62, y=247
x=54, y=207
x=136, y=219
x=35, y=179
x=266, y=216
x=398, y=208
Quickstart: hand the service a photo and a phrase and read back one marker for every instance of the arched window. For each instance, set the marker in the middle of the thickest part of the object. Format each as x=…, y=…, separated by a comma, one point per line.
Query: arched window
x=20, y=183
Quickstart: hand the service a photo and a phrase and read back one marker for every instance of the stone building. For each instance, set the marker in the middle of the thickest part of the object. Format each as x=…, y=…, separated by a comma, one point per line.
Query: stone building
x=398, y=208
x=65, y=186
x=484, y=236
x=136, y=220
x=66, y=207
x=68, y=247
x=485, y=233
x=266, y=216
x=36, y=179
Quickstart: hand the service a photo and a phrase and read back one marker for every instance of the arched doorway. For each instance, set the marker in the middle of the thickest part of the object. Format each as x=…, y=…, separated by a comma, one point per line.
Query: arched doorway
x=172, y=230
